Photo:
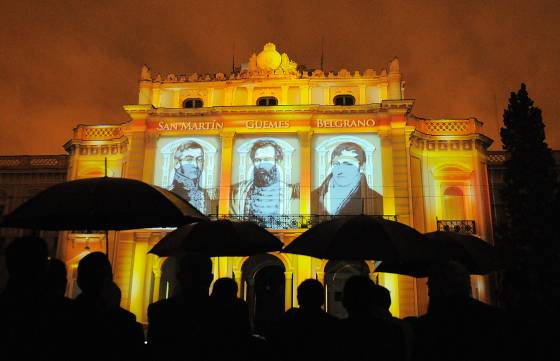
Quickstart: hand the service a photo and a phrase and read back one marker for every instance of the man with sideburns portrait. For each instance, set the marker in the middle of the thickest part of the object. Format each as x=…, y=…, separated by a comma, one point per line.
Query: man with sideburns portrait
x=189, y=165
x=345, y=190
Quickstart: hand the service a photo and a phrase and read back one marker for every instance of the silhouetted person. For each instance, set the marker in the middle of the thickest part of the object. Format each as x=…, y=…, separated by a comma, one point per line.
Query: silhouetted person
x=224, y=289
x=233, y=315
x=365, y=334
x=456, y=326
x=22, y=308
x=307, y=331
x=381, y=305
x=97, y=315
x=60, y=308
x=125, y=328
x=57, y=280
x=182, y=326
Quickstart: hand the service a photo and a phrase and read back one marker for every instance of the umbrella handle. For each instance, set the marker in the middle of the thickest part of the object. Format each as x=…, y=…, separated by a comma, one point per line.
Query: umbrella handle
x=107, y=243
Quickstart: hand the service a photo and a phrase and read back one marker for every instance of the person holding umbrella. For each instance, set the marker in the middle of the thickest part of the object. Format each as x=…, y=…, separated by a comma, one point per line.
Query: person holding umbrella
x=104, y=203
x=307, y=327
x=97, y=315
x=233, y=314
x=181, y=327
x=365, y=334
x=22, y=312
x=455, y=322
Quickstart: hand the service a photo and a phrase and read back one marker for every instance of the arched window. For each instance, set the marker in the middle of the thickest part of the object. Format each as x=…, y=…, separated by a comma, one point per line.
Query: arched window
x=193, y=103
x=264, y=286
x=453, y=203
x=344, y=99
x=267, y=101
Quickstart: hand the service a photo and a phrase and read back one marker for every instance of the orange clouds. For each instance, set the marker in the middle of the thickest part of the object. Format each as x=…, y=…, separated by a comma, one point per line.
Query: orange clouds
x=74, y=62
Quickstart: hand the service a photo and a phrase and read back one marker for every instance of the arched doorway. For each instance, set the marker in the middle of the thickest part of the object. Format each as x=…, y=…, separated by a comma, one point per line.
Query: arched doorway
x=168, y=282
x=264, y=281
x=336, y=275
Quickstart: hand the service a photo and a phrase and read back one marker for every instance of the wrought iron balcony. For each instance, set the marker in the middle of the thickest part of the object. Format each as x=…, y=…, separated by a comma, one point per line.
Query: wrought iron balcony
x=461, y=225
x=299, y=221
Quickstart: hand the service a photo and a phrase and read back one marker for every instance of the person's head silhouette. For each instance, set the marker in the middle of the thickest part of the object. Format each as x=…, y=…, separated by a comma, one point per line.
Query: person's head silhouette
x=358, y=295
x=224, y=289
x=449, y=280
x=57, y=277
x=94, y=272
x=112, y=295
x=381, y=297
x=310, y=294
x=195, y=273
x=26, y=260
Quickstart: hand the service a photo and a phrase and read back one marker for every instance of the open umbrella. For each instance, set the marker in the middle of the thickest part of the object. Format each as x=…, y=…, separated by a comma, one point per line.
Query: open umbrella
x=479, y=257
x=363, y=237
x=102, y=204
x=218, y=238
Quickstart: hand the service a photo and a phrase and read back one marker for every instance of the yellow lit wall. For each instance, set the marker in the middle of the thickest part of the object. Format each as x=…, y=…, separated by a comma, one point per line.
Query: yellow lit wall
x=419, y=159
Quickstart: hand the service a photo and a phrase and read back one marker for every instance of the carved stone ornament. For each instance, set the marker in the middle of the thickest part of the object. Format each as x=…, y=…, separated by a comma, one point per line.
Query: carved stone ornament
x=287, y=65
x=344, y=73
x=193, y=77
x=151, y=138
x=145, y=73
x=171, y=77
x=182, y=78
x=194, y=94
x=220, y=76
x=158, y=78
x=394, y=65
x=318, y=73
x=370, y=73
x=357, y=74
x=344, y=91
x=252, y=67
x=384, y=72
x=269, y=58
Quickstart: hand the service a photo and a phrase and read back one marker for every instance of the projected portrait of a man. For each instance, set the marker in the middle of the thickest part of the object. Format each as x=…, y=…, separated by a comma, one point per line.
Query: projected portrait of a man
x=345, y=190
x=263, y=194
x=189, y=164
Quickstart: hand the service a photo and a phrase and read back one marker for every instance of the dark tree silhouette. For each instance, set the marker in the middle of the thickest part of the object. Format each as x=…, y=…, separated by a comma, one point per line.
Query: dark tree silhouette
x=529, y=235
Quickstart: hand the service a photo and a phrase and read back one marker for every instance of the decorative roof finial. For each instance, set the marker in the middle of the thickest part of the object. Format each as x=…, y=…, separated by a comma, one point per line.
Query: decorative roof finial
x=145, y=73
x=269, y=58
x=394, y=65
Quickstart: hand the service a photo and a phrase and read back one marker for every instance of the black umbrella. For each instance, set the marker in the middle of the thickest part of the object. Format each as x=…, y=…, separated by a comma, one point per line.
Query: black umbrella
x=363, y=238
x=218, y=238
x=478, y=256
x=102, y=204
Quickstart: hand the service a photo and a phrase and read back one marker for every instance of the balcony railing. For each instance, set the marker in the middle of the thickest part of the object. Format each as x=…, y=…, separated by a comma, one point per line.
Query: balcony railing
x=299, y=221
x=461, y=225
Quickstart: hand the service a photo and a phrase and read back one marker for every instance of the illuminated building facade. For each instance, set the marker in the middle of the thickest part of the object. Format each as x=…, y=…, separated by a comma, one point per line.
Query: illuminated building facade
x=284, y=146
x=21, y=178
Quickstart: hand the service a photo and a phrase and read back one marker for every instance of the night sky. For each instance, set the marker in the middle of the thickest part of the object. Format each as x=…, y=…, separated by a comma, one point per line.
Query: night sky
x=69, y=62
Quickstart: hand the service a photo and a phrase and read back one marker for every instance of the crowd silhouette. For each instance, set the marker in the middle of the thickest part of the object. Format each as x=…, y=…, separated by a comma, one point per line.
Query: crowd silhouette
x=38, y=322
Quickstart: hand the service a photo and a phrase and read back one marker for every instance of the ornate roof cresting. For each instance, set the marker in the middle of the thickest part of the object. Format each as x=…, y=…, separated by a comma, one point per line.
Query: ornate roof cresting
x=269, y=63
